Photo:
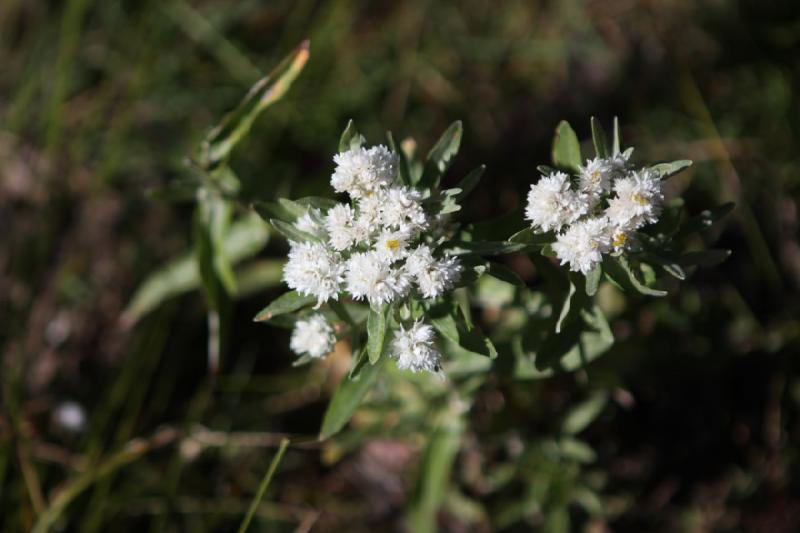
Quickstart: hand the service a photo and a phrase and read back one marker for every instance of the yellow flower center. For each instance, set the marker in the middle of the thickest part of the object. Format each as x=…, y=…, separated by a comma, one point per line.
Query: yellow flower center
x=393, y=244
x=638, y=198
x=595, y=176
x=619, y=240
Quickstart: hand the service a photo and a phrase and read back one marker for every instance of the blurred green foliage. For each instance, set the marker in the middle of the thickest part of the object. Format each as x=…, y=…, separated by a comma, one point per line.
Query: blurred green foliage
x=694, y=412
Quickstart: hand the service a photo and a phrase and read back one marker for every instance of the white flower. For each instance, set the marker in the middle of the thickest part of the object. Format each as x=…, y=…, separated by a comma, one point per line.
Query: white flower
x=314, y=270
x=309, y=224
x=340, y=223
x=552, y=204
x=402, y=207
x=433, y=276
x=583, y=244
x=638, y=200
x=369, y=212
x=392, y=245
x=371, y=278
x=312, y=336
x=414, y=348
x=363, y=171
x=595, y=177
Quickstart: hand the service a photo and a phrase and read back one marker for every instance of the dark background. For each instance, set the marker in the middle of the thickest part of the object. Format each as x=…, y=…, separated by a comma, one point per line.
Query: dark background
x=101, y=102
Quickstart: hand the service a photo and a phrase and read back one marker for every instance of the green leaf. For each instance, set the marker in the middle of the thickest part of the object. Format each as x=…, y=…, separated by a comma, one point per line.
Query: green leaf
x=441, y=155
x=286, y=303
x=579, y=343
x=619, y=270
x=503, y=273
x=482, y=247
x=245, y=238
x=565, y=309
x=376, y=332
x=350, y=138
x=531, y=238
x=317, y=202
x=545, y=170
x=576, y=450
x=262, y=487
x=469, y=182
x=210, y=227
x=282, y=209
x=593, y=280
x=471, y=340
x=291, y=232
x=584, y=413
x=669, y=265
x=347, y=398
x=221, y=140
x=705, y=258
x=617, y=142
x=667, y=170
x=436, y=465
x=566, y=148
x=404, y=166
x=599, y=139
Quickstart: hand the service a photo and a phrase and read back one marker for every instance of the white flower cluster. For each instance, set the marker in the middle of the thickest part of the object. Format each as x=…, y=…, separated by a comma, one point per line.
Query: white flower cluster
x=373, y=249
x=312, y=336
x=414, y=348
x=597, y=214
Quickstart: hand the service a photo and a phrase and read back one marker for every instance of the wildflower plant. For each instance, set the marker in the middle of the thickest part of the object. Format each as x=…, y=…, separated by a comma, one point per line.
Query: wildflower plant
x=381, y=267
x=600, y=218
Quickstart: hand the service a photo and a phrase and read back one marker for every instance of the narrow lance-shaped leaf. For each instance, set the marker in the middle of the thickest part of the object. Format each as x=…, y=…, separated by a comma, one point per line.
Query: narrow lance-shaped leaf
x=483, y=247
x=291, y=232
x=244, y=239
x=566, y=148
x=376, y=333
x=441, y=155
x=286, y=303
x=434, y=473
x=599, y=139
x=667, y=170
x=584, y=413
x=704, y=258
x=593, y=280
x=404, y=166
x=618, y=269
x=472, y=340
x=469, y=182
x=617, y=142
x=282, y=209
x=223, y=138
x=347, y=398
x=350, y=138
x=565, y=309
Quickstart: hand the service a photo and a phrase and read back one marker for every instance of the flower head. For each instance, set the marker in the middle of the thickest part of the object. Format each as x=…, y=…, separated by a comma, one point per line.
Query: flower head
x=363, y=171
x=372, y=278
x=433, y=276
x=392, y=245
x=312, y=336
x=583, y=244
x=637, y=201
x=414, y=348
x=341, y=225
x=315, y=270
x=596, y=177
x=552, y=204
x=402, y=208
